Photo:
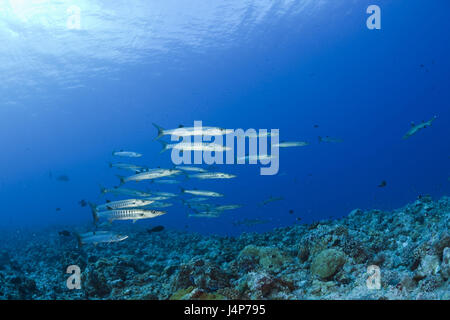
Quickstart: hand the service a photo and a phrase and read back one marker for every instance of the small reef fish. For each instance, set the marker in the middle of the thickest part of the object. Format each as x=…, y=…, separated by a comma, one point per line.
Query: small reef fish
x=416, y=128
x=287, y=144
x=202, y=193
x=195, y=146
x=126, y=214
x=271, y=199
x=212, y=175
x=82, y=203
x=127, y=154
x=153, y=174
x=155, y=229
x=191, y=169
x=96, y=237
x=382, y=184
x=125, y=192
x=192, y=131
x=130, y=203
x=250, y=222
x=330, y=139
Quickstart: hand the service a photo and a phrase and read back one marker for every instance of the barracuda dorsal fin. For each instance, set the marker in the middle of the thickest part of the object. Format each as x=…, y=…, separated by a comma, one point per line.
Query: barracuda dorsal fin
x=109, y=208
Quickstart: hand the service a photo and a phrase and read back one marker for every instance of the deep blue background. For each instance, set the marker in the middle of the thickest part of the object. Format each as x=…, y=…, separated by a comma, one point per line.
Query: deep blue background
x=69, y=98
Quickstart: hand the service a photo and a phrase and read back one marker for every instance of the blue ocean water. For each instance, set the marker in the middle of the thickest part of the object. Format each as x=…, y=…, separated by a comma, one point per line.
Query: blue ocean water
x=70, y=97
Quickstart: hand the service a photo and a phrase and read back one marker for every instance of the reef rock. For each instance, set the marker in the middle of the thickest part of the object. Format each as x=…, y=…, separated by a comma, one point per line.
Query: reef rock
x=327, y=263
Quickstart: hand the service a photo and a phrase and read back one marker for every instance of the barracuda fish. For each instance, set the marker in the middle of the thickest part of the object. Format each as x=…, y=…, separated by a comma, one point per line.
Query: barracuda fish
x=124, y=192
x=165, y=194
x=130, y=203
x=329, y=139
x=166, y=181
x=271, y=199
x=204, y=215
x=98, y=237
x=192, y=131
x=191, y=169
x=257, y=134
x=158, y=198
x=127, y=166
x=195, y=146
x=255, y=157
x=202, y=193
x=287, y=144
x=194, y=200
x=157, y=204
x=250, y=222
x=212, y=175
x=153, y=174
x=127, y=154
x=416, y=128
x=126, y=214
x=228, y=207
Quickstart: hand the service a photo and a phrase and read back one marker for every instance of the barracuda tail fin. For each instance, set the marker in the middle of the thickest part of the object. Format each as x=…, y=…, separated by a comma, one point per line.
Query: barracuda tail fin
x=160, y=131
x=320, y=139
x=164, y=146
x=103, y=190
x=79, y=240
x=182, y=190
x=94, y=212
x=121, y=178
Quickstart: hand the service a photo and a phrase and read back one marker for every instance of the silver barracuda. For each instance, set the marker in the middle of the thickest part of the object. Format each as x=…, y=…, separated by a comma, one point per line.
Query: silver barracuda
x=191, y=131
x=212, y=175
x=127, y=154
x=203, y=193
x=126, y=214
x=194, y=146
x=130, y=203
x=99, y=237
x=149, y=175
x=124, y=192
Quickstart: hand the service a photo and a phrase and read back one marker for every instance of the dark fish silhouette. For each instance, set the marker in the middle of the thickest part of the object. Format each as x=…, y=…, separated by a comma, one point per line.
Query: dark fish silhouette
x=155, y=229
x=64, y=233
x=83, y=203
x=58, y=209
x=382, y=184
x=63, y=178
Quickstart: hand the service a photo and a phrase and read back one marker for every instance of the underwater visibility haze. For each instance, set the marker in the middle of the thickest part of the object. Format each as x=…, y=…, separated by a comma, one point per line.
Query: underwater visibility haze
x=92, y=91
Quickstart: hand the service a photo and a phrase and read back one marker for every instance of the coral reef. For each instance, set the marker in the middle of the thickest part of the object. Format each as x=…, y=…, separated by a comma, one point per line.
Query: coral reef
x=325, y=260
